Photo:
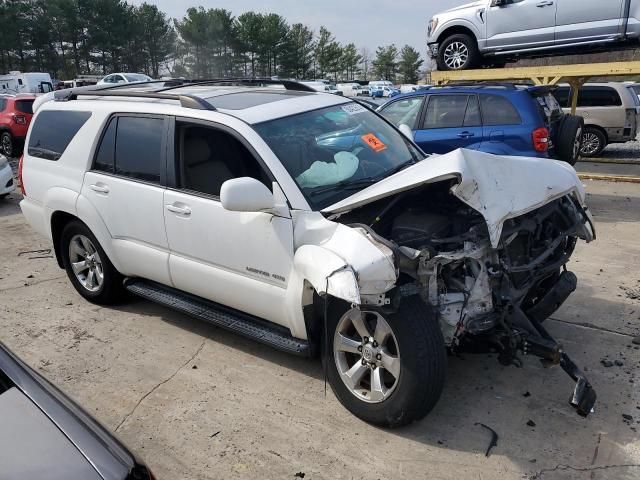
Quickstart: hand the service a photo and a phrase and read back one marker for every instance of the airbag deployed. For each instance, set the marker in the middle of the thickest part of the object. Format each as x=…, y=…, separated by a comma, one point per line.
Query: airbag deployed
x=320, y=174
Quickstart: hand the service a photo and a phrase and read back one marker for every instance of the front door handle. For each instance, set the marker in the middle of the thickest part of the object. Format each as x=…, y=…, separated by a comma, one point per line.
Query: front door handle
x=544, y=4
x=100, y=188
x=179, y=209
x=466, y=134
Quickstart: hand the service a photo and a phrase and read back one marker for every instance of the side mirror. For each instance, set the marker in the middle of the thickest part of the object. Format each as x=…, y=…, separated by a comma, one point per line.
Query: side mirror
x=406, y=131
x=246, y=194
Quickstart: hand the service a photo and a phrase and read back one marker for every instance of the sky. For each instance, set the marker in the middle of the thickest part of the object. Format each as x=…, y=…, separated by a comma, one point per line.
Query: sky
x=364, y=22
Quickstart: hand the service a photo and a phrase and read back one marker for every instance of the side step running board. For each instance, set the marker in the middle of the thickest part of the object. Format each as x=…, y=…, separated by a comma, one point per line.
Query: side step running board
x=220, y=316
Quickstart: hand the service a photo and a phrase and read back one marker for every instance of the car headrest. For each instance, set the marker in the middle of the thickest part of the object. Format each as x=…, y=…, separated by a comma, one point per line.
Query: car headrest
x=196, y=150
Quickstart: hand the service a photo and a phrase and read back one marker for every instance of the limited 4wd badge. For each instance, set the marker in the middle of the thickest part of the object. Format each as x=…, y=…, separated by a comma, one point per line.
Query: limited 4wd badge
x=374, y=142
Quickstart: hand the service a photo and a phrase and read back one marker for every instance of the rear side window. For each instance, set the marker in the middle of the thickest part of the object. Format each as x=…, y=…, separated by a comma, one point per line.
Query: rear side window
x=24, y=106
x=132, y=147
x=599, y=97
x=52, y=132
x=497, y=110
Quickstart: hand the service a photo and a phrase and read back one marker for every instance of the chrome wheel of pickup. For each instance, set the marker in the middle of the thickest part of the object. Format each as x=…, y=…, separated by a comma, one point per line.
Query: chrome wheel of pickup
x=86, y=263
x=456, y=55
x=366, y=354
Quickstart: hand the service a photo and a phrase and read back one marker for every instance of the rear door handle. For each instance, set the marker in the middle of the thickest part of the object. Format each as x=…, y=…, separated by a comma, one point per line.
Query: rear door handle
x=179, y=209
x=466, y=134
x=100, y=188
x=544, y=4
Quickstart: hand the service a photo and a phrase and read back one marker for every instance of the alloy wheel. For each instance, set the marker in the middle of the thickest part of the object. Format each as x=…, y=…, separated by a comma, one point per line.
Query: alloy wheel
x=456, y=55
x=590, y=143
x=7, y=145
x=366, y=354
x=86, y=263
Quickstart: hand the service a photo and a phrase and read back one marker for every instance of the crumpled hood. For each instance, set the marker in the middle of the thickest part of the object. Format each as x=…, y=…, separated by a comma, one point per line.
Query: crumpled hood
x=466, y=5
x=497, y=187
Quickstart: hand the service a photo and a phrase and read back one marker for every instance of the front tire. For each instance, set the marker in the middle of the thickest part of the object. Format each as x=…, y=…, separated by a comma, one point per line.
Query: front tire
x=88, y=267
x=386, y=369
x=458, y=52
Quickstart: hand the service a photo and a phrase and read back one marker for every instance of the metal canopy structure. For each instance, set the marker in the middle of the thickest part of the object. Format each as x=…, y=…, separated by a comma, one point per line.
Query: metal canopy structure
x=575, y=75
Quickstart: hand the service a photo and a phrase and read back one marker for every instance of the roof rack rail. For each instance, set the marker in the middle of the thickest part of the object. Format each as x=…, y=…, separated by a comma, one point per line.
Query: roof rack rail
x=508, y=85
x=187, y=101
x=287, y=84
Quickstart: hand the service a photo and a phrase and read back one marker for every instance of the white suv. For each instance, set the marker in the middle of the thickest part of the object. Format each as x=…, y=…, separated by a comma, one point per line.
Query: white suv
x=308, y=222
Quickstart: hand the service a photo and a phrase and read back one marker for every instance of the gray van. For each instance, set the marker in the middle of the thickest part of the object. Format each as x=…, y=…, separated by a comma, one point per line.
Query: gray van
x=610, y=114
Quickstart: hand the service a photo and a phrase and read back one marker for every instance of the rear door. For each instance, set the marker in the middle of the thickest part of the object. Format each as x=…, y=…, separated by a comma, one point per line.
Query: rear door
x=580, y=21
x=449, y=122
x=505, y=133
x=602, y=106
x=518, y=24
x=125, y=187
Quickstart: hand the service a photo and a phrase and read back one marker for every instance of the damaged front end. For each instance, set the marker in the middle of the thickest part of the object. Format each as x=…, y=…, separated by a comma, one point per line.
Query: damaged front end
x=488, y=295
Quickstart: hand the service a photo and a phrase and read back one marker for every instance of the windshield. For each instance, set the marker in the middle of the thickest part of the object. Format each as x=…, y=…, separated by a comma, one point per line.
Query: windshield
x=137, y=77
x=336, y=151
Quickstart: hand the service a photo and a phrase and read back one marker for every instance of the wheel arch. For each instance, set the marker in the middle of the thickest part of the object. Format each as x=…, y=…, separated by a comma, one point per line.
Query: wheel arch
x=599, y=128
x=456, y=30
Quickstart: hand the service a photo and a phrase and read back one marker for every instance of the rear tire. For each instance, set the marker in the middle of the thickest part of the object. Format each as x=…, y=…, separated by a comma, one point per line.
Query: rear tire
x=404, y=373
x=458, y=52
x=593, y=142
x=88, y=267
x=570, y=138
x=7, y=144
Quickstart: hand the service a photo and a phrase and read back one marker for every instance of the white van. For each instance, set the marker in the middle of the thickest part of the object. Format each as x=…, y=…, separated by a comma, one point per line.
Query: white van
x=33, y=82
x=353, y=89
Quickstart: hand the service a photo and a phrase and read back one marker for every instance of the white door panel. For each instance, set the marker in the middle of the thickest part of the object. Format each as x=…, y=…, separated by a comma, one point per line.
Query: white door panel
x=133, y=214
x=521, y=24
x=242, y=260
x=580, y=20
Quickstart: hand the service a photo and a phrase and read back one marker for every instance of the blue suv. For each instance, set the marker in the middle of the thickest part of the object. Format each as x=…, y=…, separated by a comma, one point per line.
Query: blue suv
x=501, y=119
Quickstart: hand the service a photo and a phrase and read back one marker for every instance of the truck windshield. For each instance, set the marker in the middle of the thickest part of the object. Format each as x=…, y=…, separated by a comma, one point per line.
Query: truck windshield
x=336, y=151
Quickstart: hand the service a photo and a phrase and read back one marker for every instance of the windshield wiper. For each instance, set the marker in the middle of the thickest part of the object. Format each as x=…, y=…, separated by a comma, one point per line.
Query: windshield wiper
x=363, y=182
x=346, y=185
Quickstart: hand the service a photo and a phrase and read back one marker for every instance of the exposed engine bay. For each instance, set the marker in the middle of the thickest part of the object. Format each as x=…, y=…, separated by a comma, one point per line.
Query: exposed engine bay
x=484, y=298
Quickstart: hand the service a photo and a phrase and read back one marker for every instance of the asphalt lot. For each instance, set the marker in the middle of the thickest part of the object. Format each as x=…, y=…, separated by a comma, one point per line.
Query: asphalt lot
x=199, y=403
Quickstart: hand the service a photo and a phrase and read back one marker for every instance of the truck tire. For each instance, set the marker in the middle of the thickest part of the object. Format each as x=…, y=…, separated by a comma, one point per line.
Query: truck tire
x=88, y=267
x=569, y=139
x=386, y=369
x=594, y=142
x=7, y=144
x=458, y=52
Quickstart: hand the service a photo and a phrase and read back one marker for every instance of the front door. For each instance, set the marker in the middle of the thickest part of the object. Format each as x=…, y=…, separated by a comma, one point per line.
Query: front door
x=238, y=259
x=450, y=122
x=124, y=186
x=579, y=22
x=519, y=24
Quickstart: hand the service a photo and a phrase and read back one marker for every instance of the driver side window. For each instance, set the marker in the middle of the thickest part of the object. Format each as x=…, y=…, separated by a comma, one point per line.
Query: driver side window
x=208, y=157
x=404, y=111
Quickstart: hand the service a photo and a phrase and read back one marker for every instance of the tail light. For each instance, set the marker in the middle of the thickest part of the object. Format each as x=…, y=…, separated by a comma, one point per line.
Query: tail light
x=20, y=181
x=20, y=119
x=541, y=140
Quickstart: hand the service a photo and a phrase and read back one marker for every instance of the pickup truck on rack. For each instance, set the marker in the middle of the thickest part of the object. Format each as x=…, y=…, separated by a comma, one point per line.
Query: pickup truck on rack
x=308, y=222
x=494, y=32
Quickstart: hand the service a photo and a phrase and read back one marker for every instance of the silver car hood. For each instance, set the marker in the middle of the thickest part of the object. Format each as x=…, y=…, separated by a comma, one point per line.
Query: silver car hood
x=467, y=5
x=498, y=187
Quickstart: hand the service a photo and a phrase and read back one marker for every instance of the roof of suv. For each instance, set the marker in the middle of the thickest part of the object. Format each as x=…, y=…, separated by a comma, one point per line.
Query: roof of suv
x=250, y=104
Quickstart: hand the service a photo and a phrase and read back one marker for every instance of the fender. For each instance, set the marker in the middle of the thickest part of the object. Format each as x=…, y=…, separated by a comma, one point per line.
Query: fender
x=461, y=22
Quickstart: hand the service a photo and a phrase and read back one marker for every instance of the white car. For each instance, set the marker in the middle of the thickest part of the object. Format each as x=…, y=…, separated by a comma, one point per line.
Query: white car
x=115, y=78
x=309, y=223
x=7, y=183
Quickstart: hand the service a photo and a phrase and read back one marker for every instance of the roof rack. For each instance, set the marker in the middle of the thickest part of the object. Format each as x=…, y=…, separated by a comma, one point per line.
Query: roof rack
x=187, y=101
x=247, y=81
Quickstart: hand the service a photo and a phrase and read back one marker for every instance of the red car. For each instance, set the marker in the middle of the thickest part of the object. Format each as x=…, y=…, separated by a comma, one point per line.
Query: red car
x=15, y=115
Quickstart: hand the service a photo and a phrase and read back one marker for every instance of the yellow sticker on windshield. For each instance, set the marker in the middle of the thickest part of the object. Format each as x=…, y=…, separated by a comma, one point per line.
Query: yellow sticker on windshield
x=374, y=142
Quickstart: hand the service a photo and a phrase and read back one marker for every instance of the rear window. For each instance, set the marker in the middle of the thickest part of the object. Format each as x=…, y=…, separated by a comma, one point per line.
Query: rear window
x=590, y=97
x=52, y=132
x=497, y=110
x=25, y=106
